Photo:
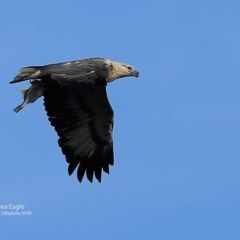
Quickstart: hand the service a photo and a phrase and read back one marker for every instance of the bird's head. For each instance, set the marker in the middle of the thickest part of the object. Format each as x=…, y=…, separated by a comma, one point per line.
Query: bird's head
x=120, y=70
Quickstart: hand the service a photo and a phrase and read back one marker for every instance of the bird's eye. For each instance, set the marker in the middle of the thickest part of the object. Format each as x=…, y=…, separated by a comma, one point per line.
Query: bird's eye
x=129, y=68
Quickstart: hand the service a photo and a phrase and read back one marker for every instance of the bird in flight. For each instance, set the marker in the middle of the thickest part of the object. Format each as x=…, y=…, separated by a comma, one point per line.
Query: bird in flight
x=77, y=106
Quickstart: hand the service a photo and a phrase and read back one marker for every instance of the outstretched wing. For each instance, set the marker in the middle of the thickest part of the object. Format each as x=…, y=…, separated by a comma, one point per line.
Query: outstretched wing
x=83, y=120
x=81, y=71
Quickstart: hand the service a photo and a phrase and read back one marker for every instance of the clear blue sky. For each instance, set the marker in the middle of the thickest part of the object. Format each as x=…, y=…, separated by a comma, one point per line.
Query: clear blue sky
x=176, y=132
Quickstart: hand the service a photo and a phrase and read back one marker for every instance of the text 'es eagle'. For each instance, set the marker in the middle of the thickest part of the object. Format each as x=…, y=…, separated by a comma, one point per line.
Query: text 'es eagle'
x=77, y=106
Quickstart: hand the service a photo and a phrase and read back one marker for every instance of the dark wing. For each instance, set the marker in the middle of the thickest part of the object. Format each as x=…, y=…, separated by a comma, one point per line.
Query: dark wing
x=83, y=120
x=81, y=71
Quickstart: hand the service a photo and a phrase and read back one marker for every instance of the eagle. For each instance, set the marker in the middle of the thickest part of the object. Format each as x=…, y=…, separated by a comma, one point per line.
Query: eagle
x=77, y=106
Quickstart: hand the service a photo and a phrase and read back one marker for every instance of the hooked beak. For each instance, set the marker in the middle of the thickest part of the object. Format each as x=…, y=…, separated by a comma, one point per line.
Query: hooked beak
x=135, y=73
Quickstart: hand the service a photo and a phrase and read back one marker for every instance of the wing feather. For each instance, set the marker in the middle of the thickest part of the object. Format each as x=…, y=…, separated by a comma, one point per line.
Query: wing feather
x=83, y=120
x=75, y=72
x=72, y=72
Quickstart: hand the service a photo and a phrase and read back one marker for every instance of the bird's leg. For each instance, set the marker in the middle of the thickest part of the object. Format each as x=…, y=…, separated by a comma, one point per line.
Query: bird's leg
x=33, y=81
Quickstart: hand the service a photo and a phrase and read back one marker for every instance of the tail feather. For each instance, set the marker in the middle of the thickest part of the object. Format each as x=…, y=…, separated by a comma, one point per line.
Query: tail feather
x=27, y=73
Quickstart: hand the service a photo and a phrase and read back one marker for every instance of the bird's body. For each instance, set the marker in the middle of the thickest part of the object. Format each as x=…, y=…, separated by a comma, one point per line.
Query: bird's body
x=77, y=106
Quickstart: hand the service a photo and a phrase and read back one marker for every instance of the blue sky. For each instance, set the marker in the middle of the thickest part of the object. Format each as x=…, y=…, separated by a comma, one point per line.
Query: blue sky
x=176, y=130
